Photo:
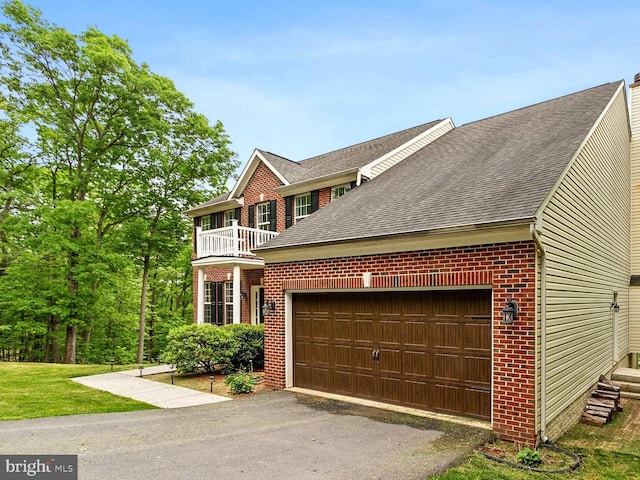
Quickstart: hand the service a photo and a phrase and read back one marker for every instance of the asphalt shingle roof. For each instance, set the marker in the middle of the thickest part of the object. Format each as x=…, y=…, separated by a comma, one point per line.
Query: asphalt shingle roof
x=493, y=170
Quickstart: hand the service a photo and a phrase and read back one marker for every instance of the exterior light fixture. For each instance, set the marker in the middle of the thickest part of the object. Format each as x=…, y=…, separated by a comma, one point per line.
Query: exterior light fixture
x=510, y=312
x=141, y=367
x=268, y=308
x=211, y=380
x=172, y=373
x=112, y=361
x=615, y=306
x=243, y=294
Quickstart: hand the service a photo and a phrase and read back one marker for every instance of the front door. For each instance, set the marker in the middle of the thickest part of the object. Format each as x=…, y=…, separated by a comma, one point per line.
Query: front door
x=257, y=300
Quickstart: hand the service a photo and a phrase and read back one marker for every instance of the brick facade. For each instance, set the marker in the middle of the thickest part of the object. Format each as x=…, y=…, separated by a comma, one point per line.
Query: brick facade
x=508, y=268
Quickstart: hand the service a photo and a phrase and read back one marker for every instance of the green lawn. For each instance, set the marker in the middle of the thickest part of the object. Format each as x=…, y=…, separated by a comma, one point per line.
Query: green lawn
x=609, y=452
x=32, y=390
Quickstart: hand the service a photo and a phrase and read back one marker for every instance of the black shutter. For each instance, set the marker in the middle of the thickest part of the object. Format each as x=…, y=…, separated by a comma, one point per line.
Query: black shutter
x=353, y=184
x=219, y=307
x=237, y=214
x=197, y=221
x=273, y=215
x=252, y=216
x=315, y=200
x=288, y=211
x=219, y=220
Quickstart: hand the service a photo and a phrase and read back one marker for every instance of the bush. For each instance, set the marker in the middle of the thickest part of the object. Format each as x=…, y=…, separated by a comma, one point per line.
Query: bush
x=248, y=346
x=241, y=382
x=529, y=457
x=208, y=348
x=199, y=347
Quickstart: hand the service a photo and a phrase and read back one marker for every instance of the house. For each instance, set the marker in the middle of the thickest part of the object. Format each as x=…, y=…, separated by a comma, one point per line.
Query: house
x=482, y=270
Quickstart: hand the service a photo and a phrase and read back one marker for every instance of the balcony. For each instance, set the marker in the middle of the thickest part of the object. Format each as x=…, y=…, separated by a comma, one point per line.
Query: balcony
x=234, y=241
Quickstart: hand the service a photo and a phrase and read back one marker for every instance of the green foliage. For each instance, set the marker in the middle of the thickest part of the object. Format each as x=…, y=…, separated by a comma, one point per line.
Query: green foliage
x=248, y=346
x=208, y=347
x=240, y=382
x=94, y=227
x=528, y=456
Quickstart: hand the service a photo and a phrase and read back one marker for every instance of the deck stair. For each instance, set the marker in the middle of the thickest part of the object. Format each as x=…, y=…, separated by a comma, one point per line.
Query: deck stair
x=629, y=381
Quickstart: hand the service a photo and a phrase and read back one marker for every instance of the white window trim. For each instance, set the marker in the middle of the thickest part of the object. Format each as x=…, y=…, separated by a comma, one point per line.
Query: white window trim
x=264, y=225
x=346, y=187
x=306, y=205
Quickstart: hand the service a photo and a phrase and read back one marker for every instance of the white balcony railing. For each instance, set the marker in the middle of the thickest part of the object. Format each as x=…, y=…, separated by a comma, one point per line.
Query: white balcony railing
x=234, y=241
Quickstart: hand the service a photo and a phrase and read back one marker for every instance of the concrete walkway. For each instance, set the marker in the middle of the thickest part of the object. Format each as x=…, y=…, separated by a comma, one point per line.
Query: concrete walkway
x=130, y=384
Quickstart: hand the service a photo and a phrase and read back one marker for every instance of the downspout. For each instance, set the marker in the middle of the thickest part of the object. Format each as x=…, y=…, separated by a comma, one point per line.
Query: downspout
x=543, y=331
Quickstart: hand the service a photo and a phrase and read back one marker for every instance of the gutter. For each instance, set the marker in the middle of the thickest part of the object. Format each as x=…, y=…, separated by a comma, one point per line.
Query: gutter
x=543, y=331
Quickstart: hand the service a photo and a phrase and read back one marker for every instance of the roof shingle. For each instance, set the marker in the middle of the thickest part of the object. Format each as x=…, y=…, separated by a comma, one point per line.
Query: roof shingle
x=493, y=170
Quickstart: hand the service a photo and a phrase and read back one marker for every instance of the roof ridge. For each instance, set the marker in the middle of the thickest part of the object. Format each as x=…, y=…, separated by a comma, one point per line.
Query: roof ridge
x=369, y=141
x=539, y=103
x=279, y=156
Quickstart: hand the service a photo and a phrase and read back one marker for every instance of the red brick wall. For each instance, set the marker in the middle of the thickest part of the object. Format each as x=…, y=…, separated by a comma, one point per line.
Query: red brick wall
x=508, y=268
x=263, y=181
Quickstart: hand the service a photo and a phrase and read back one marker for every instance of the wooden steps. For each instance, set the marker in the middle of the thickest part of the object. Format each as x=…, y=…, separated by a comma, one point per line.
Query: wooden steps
x=629, y=381
x=603, y=403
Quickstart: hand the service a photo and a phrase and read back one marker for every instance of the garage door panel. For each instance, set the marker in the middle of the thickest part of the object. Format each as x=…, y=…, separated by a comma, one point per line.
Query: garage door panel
x=446, y=398
x=447, y=367
x=363, y=358
x=434, y=347
x=477, y=336
x=342, y=356
x=342, y=329
x=390, y=361
x=477, y=402
x=391, y=389
x=321, y=328
x=477, y=370
x=446, y=335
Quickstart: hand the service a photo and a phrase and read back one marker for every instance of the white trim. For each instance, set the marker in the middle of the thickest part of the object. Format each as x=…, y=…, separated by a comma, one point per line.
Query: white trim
x=254, y=304
x=366, y=170
x=200, y=314
x=251, y=166
x=244, y=263
x=237, y=310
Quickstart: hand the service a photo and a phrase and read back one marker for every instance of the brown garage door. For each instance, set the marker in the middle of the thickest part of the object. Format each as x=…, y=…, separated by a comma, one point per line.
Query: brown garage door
x=429, y=350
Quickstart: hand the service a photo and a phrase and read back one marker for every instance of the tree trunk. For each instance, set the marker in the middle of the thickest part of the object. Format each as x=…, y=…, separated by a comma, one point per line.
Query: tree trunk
x=70, y=344
x=143, y=308
x=55, y=340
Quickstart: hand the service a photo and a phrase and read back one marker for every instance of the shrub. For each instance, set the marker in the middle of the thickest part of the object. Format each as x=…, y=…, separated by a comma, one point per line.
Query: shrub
x=208, y=347
x=529, y=457
x=248, y=345
x=241, y=382
x=199, y=347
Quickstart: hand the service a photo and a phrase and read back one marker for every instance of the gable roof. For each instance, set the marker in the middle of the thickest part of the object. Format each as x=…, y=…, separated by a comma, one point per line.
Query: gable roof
x=499, y=169
x=326, y=165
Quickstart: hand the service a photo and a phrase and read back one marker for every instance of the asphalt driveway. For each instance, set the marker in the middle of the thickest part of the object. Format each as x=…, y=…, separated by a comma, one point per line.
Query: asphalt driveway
x=274, y=435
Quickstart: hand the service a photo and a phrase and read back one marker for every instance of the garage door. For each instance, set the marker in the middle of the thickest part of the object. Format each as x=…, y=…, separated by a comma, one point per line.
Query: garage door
x=428, y=350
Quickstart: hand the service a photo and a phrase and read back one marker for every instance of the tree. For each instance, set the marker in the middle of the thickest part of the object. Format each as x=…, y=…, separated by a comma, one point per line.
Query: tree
x=115, y=145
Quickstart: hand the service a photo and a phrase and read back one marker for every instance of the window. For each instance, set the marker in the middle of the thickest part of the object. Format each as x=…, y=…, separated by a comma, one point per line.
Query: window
x=303, y=206
x=337, y=192
x=263, y=216
x=205, y=222
x=229, y=217
x=208, y=296
x=228, y=302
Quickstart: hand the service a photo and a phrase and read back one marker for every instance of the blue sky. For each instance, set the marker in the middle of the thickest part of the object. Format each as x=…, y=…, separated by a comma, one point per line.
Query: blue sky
x=302, y=78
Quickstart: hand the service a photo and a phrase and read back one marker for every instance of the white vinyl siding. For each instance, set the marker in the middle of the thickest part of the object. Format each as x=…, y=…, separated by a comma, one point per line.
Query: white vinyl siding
x=585, y=232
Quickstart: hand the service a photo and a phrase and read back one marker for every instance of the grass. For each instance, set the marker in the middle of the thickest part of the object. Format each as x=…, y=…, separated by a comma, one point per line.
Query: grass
x=33, y=390
x=609, y=452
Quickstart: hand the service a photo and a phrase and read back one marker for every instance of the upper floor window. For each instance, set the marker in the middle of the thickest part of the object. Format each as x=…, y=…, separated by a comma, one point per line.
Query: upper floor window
x=229, y=217
x=263, y=216
x=337, y=192
x=302, y=206
x=205, y=222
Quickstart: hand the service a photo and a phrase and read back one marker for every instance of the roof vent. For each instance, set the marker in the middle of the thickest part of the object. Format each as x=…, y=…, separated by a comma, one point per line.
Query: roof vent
x=636, y=78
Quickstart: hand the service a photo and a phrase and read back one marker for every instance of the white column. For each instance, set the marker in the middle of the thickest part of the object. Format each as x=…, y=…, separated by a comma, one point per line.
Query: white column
x=236, y=246
x=200, y=311
x=236, y=294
